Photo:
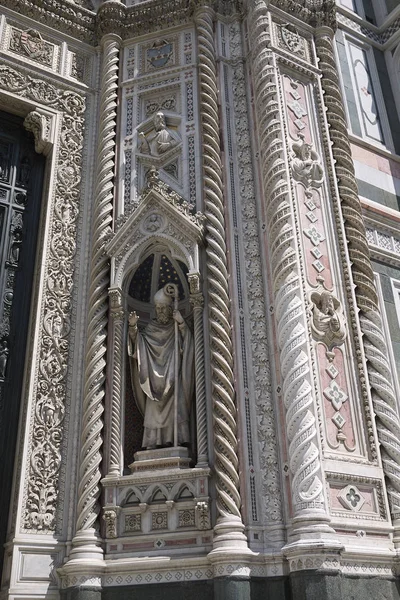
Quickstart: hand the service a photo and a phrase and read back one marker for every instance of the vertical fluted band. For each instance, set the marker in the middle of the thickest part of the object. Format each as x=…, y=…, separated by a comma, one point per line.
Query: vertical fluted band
x=117, y=315
x=373, y=340
x=95, y=363
x=293, y=340
x=223, y=393
x=197, y=302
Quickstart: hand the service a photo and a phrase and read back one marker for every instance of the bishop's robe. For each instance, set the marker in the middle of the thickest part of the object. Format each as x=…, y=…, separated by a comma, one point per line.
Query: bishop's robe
x=152, y=361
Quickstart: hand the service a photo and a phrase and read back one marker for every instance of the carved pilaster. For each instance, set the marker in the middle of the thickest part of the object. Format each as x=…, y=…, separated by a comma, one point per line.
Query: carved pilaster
x=223, y=394
x=91, y=440
x=117, y=315
x=373, y=344
x=309, y=505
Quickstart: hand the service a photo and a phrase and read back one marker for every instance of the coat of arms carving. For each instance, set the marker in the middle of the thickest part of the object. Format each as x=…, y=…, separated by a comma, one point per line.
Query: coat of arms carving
x=291, y=39
x=30, y=43
x=159, y=54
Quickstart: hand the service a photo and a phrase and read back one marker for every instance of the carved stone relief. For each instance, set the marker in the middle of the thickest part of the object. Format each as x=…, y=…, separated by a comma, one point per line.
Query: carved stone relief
x=159, y=54
x=157, y=116
x=160, y=140
x=110, y=518
x=29, y=43
x=289, y=39
x=40, y=125
x=327, y=322
x=306, y=164
x=202, y=515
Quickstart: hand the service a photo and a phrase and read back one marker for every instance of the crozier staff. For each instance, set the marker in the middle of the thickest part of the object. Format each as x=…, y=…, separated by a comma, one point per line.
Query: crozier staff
x=155, y=373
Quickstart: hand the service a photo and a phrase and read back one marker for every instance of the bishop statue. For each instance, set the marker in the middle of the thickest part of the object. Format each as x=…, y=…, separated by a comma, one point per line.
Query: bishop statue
x=161, y=360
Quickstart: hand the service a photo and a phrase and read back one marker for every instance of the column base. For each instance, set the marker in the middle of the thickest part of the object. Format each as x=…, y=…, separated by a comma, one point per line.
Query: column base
x=230, y=555
x=86, y=546
x=311, y=528
x=229, y=536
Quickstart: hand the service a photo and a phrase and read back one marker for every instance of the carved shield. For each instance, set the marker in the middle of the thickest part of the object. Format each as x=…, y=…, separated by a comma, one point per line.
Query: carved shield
x=159, y=54
x=32, y=42
x=291, y=40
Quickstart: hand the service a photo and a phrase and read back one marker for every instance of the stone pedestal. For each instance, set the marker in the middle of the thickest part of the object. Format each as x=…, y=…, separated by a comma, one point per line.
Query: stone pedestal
x=160, y=459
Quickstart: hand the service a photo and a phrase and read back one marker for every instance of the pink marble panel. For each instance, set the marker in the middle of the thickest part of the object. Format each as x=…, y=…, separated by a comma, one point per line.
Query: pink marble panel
x=345, y=410
x=296, y=107
x=186, y=542
x=367, y=494
x=306, y=223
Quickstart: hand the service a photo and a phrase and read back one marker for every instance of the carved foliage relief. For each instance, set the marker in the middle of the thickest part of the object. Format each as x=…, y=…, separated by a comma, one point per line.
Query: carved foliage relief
x=328, y=325
x=48, y=413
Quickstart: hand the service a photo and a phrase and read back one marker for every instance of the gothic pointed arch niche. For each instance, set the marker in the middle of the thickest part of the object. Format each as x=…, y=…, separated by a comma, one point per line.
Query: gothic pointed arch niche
x=157, y=269
x=158, y=244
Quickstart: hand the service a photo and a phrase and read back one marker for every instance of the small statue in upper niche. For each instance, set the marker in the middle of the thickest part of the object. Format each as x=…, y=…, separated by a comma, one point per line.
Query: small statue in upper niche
x=161, y=142
x=327, y=323
x=306, y=164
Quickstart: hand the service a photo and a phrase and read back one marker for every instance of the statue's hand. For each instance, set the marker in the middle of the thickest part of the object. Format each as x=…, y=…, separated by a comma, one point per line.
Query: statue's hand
x=178, y=317
x=133, y=319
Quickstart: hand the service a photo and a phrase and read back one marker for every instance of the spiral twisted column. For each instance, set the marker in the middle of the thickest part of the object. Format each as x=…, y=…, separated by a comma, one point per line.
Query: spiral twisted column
x=293, y=340
x=197, y=302
x=223, y=393
x=373, y=343
x=117, y=315
x=95, y=363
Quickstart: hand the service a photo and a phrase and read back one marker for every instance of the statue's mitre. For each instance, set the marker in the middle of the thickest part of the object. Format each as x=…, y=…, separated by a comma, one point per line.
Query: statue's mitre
x=162, y=298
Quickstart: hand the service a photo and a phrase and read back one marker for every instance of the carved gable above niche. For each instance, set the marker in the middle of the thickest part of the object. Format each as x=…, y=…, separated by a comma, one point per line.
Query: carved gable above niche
x=162, y=216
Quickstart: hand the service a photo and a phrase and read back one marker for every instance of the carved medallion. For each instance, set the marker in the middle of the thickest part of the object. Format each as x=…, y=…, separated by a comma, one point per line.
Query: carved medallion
x=154, y=222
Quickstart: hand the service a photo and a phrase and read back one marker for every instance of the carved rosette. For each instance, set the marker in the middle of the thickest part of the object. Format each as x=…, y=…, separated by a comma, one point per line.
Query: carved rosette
x=223, y=394
x=91, y=440
x=297, y=388
x=349, y=212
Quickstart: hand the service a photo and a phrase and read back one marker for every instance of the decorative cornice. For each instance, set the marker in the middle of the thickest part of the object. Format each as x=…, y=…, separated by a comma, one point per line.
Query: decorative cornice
x=79, y=21
x=67, y=17
x=313, y=12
